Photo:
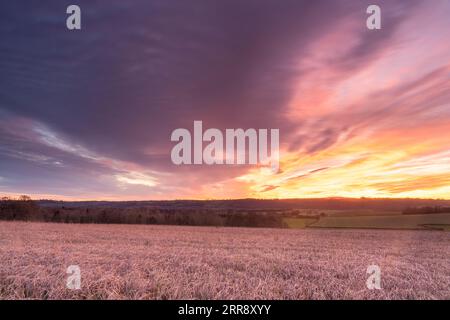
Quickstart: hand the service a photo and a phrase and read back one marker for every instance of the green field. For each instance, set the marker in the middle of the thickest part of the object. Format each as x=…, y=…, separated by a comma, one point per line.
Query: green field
x=299, y=223
x=440, y=221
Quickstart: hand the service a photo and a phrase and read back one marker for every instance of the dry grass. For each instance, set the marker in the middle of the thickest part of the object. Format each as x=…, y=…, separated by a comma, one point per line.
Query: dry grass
x=159, y=262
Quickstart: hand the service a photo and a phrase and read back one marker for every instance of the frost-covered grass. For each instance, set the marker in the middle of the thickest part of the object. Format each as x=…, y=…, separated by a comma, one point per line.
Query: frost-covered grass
x=172, y=262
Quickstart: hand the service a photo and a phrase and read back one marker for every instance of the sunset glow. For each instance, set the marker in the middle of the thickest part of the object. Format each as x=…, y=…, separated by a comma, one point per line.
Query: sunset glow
x=361, y=113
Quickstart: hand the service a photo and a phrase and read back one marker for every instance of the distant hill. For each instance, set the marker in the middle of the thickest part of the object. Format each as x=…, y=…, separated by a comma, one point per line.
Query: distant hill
x=255, y=204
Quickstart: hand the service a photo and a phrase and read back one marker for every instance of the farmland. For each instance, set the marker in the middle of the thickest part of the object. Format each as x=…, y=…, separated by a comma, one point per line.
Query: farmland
x=180, y=262
x=356, y=219
x=326, y=213
x=386, y=222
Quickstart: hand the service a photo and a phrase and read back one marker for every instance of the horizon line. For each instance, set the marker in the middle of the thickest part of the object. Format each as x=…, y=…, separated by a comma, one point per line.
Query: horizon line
x=237, y=199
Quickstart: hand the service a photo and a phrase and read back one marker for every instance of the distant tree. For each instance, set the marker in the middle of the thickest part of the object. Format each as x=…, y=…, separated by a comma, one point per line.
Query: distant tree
x=24, y=198
x=21, y=209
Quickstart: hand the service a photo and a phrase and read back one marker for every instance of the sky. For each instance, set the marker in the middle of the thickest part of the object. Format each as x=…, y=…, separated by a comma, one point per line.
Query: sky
x=88, y=114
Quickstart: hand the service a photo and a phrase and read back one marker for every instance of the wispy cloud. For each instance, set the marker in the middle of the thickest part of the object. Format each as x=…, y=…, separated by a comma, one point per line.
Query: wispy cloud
x=137, y=179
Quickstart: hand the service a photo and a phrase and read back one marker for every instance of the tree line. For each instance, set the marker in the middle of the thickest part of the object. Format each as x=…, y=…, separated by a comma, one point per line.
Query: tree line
x=25, y=209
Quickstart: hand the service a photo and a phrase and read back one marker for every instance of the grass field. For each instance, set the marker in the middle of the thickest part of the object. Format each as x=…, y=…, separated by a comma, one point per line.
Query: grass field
x=172, y=262
x=299, y=223
x=439, y=221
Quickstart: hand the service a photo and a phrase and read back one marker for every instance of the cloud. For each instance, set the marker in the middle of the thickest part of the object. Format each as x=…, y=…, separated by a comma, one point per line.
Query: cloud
x=137, y=179
x=303, y=175
x=90, y=113
x=268, y=188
